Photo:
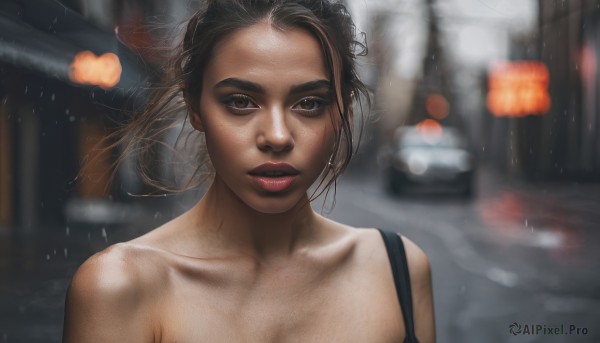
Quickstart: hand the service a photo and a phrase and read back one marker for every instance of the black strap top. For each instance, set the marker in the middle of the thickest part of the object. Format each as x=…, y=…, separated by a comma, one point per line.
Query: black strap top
x=397, y=256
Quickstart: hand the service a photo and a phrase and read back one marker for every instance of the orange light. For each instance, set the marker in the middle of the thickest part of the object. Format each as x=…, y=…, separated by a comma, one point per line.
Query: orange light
x=430, y=130
x=437, y=106
x=89, y=69
x=518, y=89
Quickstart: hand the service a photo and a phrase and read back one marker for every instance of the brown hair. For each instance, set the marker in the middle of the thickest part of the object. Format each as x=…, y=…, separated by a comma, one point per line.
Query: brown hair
x=328, y=21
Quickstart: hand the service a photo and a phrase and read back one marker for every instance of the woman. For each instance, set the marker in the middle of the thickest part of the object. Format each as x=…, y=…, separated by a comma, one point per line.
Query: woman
x=270, y=85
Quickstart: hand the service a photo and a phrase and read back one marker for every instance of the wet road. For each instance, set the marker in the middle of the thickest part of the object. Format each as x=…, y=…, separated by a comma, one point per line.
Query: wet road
x=517, y=254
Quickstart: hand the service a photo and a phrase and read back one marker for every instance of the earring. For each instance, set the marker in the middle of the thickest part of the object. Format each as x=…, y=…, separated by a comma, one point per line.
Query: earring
x=330, y=163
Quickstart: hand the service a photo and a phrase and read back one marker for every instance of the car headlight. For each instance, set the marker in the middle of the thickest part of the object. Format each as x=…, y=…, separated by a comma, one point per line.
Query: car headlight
x=417, y=164
x=463, y=162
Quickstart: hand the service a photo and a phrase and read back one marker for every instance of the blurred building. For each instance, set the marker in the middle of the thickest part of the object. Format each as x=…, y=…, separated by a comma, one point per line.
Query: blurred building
x=51, y=119
x=569, y=44
x=564, y=141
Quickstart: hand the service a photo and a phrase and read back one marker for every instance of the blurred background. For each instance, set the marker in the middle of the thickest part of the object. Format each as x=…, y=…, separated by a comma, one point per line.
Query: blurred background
x=482, y=146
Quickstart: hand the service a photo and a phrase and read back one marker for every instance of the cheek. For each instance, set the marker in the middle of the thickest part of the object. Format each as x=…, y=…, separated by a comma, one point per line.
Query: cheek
x=321, y=140
x=222, y=142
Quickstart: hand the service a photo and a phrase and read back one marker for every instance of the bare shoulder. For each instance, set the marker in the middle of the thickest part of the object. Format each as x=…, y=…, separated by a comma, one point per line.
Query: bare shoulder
x=118, y=270
x=109, y=296
x=420, y=277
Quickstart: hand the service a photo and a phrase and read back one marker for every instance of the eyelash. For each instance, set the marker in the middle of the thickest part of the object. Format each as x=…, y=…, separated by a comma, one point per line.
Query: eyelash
x=321, y=103
x=229, y=100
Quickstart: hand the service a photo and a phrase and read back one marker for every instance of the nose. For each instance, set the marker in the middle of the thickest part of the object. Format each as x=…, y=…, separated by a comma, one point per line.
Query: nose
x=274, y=133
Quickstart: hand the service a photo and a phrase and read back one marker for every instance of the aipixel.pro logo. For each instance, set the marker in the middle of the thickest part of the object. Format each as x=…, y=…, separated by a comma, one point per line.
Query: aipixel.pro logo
x=542, y=329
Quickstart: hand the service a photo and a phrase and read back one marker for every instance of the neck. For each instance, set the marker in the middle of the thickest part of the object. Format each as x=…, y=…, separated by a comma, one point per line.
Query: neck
x=230, y=225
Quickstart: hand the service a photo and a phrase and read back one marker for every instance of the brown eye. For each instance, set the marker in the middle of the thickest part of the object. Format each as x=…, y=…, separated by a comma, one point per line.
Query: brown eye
x=311, y=106
x=240, y=102
x=307, y=104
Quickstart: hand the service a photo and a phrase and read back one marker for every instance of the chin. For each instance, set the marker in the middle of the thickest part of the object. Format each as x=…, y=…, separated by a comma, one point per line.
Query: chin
x=275, y=204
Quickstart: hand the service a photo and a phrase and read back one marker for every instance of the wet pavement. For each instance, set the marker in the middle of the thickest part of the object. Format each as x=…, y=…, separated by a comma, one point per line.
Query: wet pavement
x=517, y=254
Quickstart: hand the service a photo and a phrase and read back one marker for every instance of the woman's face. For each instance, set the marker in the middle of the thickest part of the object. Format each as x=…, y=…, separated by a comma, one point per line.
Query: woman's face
x=265, y=109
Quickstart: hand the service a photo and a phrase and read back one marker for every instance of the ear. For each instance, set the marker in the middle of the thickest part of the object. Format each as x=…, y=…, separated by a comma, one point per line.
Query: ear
x=195, y=119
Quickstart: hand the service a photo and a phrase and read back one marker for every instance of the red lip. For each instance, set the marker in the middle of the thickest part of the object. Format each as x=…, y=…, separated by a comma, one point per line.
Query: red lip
x=280, y=167
x=274, y=177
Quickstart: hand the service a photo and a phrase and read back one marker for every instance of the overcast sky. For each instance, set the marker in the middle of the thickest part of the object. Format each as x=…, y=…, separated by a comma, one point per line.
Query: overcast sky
x=475, y=31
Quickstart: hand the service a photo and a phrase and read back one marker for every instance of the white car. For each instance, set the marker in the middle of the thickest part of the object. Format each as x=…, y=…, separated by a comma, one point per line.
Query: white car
x=429, y=155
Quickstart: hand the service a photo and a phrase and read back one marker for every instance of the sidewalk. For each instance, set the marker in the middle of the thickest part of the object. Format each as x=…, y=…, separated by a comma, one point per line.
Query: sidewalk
x=35, y=270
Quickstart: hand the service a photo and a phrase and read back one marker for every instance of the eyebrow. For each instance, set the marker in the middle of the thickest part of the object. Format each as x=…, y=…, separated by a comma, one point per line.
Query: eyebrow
x=241, y=84
x=255, y=87
x=310, y=86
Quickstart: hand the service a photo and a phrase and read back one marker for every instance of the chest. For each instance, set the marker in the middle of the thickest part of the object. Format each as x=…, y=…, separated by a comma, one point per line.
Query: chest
x=289, y=307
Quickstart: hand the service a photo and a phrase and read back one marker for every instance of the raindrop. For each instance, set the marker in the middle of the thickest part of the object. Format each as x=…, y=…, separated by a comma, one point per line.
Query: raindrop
x=525, y=222
x=55, y=20
x=41, y=94
x=71, y=118
x=67, y=231
x=5, y=100
x=156, y=215
x=5, y=337
x=67, y=111
x=89, y=236
x=47, y=257
x=66, y=253
x=26, y=88
x=53, y=97
x=54, y=252
x=104, y=235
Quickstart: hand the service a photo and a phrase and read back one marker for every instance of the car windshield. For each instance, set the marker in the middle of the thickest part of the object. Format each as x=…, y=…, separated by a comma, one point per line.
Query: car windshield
x=414, y=138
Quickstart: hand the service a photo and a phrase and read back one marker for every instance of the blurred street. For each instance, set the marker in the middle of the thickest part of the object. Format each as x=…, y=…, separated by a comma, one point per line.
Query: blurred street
x=516, y=252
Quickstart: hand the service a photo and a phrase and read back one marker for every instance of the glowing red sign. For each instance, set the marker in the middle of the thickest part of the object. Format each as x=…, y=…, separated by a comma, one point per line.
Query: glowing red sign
x=518, y=89
x=89, y=69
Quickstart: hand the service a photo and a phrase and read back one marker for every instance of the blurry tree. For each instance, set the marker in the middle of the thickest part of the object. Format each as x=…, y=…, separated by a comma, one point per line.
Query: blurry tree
x=433, y=97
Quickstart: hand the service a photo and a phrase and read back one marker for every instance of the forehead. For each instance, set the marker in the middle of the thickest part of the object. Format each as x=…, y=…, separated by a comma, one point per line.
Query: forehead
x=266, y=54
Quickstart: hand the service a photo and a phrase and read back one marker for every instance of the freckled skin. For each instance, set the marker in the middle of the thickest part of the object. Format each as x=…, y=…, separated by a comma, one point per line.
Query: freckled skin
x=245, y=265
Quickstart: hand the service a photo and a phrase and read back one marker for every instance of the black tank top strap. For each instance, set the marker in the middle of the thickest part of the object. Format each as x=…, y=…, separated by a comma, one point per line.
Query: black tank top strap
x=399, y=264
